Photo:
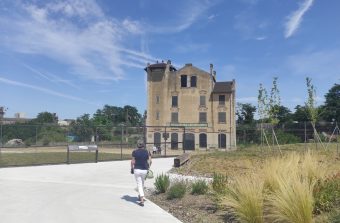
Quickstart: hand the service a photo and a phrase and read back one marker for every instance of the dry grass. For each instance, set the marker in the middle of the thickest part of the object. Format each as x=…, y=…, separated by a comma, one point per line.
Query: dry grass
x=245, y=197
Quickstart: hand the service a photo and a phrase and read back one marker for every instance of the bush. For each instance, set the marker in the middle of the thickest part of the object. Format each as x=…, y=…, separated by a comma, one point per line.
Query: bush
x=162, y=183
x=219, y=183
x=177, y=190
x=284, y=137
x=199, y=187
x=327, y=194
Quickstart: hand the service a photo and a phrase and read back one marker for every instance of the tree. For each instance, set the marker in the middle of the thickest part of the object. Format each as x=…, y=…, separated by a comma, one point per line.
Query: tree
x=245, y=113
x=283, y=114
x=331, y=108
x=46, y=118
x=300, y=114
x=82, y=128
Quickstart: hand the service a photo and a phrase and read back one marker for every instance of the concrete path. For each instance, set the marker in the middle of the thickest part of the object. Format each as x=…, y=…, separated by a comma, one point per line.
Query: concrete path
x=77, y=193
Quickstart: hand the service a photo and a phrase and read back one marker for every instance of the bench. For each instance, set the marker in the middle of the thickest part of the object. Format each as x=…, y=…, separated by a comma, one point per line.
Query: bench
x=81, y=148
x=181, y=159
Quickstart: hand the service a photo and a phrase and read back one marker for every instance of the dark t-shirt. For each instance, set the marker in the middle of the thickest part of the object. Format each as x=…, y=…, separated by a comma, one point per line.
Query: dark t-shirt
x=141, y=157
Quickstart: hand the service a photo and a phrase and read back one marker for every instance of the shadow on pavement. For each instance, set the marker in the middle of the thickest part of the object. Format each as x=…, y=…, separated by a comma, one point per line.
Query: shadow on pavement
x=130, y=199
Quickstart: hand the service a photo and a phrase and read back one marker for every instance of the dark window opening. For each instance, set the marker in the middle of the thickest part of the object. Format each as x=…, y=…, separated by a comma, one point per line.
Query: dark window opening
x=174, y=141
x=193, y=81
x=174, y=117
x=174, y=102
x=203, y=140
x=184, y=81
x=221, y=117
x=221, y=99
x=222, y=141
x=202, y=117
x=202, y=100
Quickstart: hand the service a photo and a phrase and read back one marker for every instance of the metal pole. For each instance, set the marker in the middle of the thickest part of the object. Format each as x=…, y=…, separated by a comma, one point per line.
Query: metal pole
x=1, y=143
x=36, y=135
x=305, y=137
x=165, y=143
x=121, y=144
x=183, y=143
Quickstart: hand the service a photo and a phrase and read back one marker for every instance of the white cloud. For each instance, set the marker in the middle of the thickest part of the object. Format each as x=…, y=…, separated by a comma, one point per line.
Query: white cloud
x=261, y=38
x=187, y=15
x=294, y=20
x=90, y=44
x=44, y=90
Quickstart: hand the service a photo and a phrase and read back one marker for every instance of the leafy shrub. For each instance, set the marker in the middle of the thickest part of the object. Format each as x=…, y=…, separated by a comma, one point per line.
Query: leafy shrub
x=177, y=190
x=199, y=187
x=284, y=137
x=327, y=194
x=162, y=183
x=219, y=183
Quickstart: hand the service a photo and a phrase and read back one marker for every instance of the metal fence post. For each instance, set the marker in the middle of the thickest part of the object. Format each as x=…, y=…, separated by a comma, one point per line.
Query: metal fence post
x=121, y=143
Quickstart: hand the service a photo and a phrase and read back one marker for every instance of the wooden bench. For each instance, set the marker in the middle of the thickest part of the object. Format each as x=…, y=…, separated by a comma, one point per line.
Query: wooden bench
x=81, y=148
x=181, y=159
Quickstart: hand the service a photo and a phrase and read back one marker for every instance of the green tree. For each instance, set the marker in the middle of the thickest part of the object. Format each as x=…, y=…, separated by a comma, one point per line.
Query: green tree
x=82, y=128
x=283, y=114
x=300, y=114
x=331, y=108
x=245, y=113
x=45, y=117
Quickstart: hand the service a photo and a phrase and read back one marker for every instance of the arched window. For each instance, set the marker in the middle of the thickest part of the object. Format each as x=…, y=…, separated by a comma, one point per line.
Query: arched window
x=203, y=140
x=174, y=141
x=222, y=141
x=157, y=139
x=189, y=141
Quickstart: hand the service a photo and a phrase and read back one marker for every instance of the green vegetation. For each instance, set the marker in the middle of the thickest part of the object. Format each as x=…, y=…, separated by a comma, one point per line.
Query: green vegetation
x=199, y=187
x=219, y=183
x=40, y=158
x=162, y=183
x=177, y=190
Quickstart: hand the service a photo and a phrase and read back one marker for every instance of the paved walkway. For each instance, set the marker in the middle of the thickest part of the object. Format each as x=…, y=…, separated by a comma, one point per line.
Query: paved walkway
x=77, y=193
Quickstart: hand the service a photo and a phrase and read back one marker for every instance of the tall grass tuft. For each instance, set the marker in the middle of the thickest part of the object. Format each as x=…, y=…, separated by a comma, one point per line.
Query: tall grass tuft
x=292, y=201
x=199, y=187
x=162, y=183
x=289, y=182
x=219, y=183
x=245, y=197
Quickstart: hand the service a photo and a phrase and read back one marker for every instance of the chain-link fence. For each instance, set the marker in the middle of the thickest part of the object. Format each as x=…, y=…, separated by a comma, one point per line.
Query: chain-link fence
x=48, y=144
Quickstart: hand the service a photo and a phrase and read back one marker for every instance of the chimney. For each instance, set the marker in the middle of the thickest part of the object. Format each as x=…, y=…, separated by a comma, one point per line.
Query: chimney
x=168, y=62
x=211, y=69
x=214, y=74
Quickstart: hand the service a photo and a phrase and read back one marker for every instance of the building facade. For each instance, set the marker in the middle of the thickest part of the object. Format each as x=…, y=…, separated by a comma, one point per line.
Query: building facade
x=188, y=108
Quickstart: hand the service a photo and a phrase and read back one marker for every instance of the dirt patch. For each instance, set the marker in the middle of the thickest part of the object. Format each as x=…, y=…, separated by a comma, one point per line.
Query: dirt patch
x=193, y=208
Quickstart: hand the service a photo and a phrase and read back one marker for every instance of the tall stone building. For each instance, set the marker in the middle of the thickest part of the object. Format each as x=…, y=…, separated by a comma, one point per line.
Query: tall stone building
x=189, y=108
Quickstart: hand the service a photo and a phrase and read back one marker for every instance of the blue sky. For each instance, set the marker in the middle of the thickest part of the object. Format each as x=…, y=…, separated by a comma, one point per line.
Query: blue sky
x=72, y=57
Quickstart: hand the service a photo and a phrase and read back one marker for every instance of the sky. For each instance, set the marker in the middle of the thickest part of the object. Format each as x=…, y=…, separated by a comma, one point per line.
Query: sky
x=72, y=57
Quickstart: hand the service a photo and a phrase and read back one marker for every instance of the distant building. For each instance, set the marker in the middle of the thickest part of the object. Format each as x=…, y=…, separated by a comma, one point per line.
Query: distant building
x=190, y=98
x=19, y=115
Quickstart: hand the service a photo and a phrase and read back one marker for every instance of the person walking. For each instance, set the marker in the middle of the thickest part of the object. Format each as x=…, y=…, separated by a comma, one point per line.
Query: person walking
x=140, y=163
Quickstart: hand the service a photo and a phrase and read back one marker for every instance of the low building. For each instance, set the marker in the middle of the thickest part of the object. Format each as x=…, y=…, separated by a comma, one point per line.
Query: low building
x=189, y=108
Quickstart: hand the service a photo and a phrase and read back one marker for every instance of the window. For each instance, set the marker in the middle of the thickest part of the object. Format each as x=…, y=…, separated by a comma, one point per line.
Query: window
x=174, y=102
x=174, y=141
x=184, y=81
x=222, y=140
x=174, y=117
x=193, y=81
x=202, y=117
x=202, y=100
x=221, y=99
x=203, y=140
x=221, y=117
x=157, y=115
x=157, y=99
